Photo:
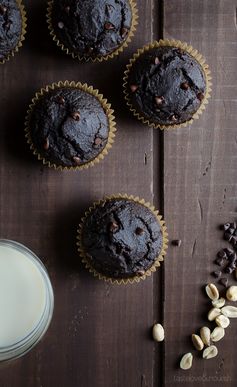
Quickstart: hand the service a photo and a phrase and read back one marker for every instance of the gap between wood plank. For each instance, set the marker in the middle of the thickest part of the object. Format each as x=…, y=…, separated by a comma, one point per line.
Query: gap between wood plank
x=158, y=200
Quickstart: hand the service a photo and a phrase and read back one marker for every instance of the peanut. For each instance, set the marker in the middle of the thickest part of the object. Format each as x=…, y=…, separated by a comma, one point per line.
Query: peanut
x=217, y=334
x=210, y=352
x=197, y=342
x=186, y=361
x=158, y=332
x=205, y=334
x=212, y=292
x=229, y=311
x=213, y=313
x=231, y=293
x=222, y=321
x=219, y=303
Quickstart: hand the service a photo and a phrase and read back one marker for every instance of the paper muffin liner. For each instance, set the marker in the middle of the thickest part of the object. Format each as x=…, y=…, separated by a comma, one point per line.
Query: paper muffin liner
x=104, y=104
x=135, y=278
x=23, y=32
x=190, y=50
x=99, y=58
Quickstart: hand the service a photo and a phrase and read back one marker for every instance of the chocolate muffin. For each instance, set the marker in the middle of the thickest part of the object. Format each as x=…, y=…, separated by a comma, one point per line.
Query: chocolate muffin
x=69, y=126
x=165, y=85
x=91, y=29
x=11, y=27
x=122, y=238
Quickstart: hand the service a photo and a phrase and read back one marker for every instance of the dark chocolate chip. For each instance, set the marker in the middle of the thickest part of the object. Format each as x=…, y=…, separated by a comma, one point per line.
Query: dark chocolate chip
x=98, y=141
x=226, y=226
x=76, y=116
x=233, y=225
x=224, y=281
x=60, y=100
x=89, y=50
x=157, y=60
x=60, y=25
x=228, y=251
x=113, y=227
x=124, y=32
x=200, y=96
x=176, y=242
x=67, y=9
x=221, y=254
x=180, y=50
x=217, y=273
x=174, y=118
x=3, y=10
x=109, y=26
x=229, y=269
x=184, y=86
x=76, y=160
x=227, y=236
x=46, y=144
x=234, y=240
x=219, y=261
x=159, y=100
x=141, y=272
x=133, y=88
x=233, y=257
x=139, y=231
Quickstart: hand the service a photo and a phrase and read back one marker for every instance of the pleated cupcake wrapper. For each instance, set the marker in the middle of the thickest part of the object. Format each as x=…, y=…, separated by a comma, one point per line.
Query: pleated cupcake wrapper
x=23, y=32
x=104, y=104
x=99, y=58
x=135, y=278
x=185, y=47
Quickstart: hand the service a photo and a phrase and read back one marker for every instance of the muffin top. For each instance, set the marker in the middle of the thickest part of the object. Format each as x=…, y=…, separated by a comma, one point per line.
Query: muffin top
x=68, y=126
x=122, y=238
x=10, y=26
x=166, y=85
x=91, y=28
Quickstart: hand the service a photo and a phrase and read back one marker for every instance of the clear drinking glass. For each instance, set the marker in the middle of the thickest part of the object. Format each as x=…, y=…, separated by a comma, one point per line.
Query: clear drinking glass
x=26, y=343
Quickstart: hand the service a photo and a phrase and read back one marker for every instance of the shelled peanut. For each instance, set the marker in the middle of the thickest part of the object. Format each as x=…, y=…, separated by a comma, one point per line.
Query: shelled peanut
x=220, y=313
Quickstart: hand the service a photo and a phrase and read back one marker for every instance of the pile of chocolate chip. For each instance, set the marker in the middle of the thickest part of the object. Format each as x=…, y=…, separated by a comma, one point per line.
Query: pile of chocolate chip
x=227, y=257
x=230, y=233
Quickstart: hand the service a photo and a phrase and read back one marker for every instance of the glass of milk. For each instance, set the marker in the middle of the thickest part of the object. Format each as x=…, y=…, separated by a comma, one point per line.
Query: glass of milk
x=26, y=300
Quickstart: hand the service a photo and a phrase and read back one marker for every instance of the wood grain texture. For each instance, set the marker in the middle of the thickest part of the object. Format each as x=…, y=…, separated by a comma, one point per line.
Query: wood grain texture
x=200, y=187
x=99, y=336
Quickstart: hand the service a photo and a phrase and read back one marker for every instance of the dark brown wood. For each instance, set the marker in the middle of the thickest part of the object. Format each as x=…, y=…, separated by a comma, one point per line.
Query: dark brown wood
x=200, y=185
x=100, y=334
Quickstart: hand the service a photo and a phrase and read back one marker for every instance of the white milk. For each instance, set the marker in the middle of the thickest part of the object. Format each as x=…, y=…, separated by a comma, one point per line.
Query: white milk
x=22, y=295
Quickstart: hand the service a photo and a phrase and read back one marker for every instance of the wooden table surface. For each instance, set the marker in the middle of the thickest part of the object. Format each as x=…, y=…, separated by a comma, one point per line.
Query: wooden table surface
x=100, y=334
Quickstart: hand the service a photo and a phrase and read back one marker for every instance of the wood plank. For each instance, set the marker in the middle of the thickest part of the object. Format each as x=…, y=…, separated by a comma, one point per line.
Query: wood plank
x=200, y=190
x=99, y=335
